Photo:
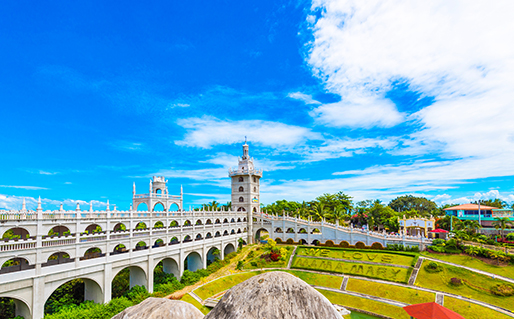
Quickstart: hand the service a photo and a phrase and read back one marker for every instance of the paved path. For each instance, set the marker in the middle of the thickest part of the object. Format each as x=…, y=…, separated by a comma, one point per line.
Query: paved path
x=344, y=283
x=439, y=298
x=291, y=258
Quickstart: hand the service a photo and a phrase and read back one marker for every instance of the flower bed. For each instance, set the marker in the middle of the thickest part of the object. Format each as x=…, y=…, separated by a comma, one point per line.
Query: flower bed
x=392, y=258
x=389, y=273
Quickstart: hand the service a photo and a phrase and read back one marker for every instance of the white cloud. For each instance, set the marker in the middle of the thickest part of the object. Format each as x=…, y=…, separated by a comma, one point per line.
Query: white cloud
x=16, y=202
x=307, y=99
x=47, y=173
x=24, y=187
x=457, y=52
x=128, y=146
x=208, y=131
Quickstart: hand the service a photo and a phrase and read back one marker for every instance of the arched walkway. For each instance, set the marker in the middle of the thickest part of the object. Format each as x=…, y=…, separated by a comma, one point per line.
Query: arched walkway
x=158, y=207
x=212, y=255
x=83, y=289
x=170, y=266
x=142, y=207
x=136, y=277
x=229, y=248
x=193, y=262
x=13, y=307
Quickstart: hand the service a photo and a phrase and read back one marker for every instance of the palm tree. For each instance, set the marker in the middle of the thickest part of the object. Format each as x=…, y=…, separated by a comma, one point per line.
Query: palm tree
x=471, y=226
x=502, y=223
x=339, y=214
x=472, y=250
x=318, y=211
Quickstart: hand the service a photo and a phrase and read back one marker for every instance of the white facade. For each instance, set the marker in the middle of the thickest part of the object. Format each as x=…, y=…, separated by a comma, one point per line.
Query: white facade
x=245, y=188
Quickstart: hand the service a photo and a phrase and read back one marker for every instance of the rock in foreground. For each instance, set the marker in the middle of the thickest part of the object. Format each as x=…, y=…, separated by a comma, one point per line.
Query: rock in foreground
x=160, y=308
x=273, y=295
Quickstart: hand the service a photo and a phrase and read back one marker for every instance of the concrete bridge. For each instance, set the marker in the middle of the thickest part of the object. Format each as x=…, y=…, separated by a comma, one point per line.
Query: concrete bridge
x=285, y=228
x=97, y=245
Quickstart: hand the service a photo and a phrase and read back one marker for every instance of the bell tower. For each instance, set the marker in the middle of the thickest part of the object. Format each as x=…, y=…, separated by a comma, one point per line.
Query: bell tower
x=245, y=188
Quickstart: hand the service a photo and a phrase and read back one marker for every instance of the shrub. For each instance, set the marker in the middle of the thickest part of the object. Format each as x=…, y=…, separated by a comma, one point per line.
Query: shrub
x=360, y=245
x=438, y=241
x=251, y=254
x=438, y=249
x=510, y=236
x=503, y=290
x=344, y=244
x=377, y=246
x=395, y=247
x=239, y=265
x=253, y=263
x=433, y=267
x=274, y=256
x=414, y=249
x=456, y=282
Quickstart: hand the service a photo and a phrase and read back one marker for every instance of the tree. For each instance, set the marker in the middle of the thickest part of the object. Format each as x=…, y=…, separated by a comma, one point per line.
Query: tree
x=492, y=202
x=408, y=202
x=502, y=223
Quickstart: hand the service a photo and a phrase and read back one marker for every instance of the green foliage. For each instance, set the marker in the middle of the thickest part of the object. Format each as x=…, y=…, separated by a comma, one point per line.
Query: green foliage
x=438, y=241
x=433, y=267
x=120, y=283
x=137, y=294
x=7, y=308
x=422, y=205
x=239, y=265
x=141, y=225
x=492, y=202
x=68, y=294
x=503, y=290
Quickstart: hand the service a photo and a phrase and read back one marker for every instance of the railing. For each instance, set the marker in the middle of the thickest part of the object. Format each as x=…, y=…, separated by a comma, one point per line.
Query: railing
x=319, y=224
x=58, y=214
x=25, y=244
x=153, y=195
x=244, y=172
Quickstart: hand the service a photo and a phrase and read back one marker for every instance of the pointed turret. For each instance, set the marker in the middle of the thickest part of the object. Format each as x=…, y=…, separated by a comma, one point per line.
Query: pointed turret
x=91, y=206
x=107, y=209
x=24, y=206
x=61, y=208
x=78, y=207
x=39, y=208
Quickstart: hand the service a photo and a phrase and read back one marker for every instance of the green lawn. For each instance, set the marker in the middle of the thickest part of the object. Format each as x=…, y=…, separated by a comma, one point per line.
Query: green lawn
x=365, y=304
x=194, y=302
x=402, y=294
x=222, y=284
x=468, y=261
x=359, y=255
x=329, y=281
x=470, y=310
x=389, y=273
x=478, y=291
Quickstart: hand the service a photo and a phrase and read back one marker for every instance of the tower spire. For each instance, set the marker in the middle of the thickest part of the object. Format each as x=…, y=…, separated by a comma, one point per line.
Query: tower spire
x=39, y=208
x=24, y=206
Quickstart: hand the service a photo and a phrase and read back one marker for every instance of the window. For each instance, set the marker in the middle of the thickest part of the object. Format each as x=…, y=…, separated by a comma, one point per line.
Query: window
x=255, y=189
x=241, y=209
x=255, y=179
x=241, y=189
x=241, y=199
x=241, y=179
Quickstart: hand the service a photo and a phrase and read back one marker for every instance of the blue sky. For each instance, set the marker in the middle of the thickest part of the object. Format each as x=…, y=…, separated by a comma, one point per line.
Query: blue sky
x=375, y=99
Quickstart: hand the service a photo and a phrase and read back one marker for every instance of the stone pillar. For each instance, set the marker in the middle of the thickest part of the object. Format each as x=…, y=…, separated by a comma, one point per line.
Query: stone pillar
x=38, y=296
x=149, y=285
x=107, y=281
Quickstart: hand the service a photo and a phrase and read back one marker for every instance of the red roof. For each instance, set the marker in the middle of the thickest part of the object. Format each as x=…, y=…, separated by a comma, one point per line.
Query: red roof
x=438, y=230
x=470, y=207
x=431, y=310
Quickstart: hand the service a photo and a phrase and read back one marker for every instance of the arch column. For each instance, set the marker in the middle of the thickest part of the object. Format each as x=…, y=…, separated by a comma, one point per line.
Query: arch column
x=107, y=281
x=22, y=309
x=38, y=293
x=150, y=274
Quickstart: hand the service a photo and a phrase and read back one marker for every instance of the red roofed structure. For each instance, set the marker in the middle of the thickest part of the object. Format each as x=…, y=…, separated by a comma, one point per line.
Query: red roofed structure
x=431, y=310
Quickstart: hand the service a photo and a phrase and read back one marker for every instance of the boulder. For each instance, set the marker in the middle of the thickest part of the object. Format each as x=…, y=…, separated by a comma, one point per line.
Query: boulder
x=160, y=308
x=273, y=295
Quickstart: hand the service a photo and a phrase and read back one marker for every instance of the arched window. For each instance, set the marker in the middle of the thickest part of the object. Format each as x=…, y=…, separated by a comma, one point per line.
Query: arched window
x=241, y=199
x=241, y=179
x=255, y=189
x=241, y=189
x=241, y=209
x=255, y=179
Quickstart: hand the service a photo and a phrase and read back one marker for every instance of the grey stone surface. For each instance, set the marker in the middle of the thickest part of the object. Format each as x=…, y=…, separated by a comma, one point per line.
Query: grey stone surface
x=160, y=308
x=273, y=295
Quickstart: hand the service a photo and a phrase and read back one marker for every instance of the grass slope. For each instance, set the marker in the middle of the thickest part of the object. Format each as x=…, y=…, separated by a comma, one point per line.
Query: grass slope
x=194, y=302
x=470, y=310
x=468, y=261
x=365, y=304
x=216, y=286
x=478, y=291
x=402, y=294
